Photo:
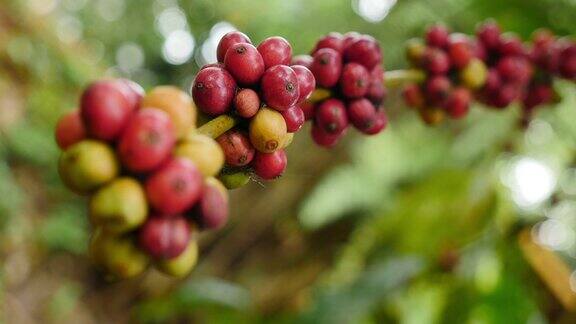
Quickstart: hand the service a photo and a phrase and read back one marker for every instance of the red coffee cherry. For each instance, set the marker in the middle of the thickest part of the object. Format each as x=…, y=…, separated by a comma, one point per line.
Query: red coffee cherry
x=164, y=237
x=511, y=45
x=244, y=63
x=230, y=39
x=478, y=50
x=567, y=66
x=213, y=90
x=246, y=103
x=237, y=148
x=366, y=51
x=269, y=166
x=538, y=94
x=280, y=87
x=437, y=89
x=355, y=80
x=514, y=69
x=333, y=40
x=147, y=140
x=133, y=91
x=308, y=108
x=211, y=212
x=70, y=129
x=505, y=95
x=543, y=37
x=105, y=109
x=489, y=34
x=349, y=38
x=458, y=103
x=324, y=138
x=437, y=36
x=460, y=51
x=362, y=114
x=306, y=81
x=413, y=95
x=326, y=67
x=379, y=124
x=376, y=90
x=331, y=116
x=436, y=61
x=304, y=60
x=294, y=118
x=275, y=51
x=175, y=187
x=493, y=80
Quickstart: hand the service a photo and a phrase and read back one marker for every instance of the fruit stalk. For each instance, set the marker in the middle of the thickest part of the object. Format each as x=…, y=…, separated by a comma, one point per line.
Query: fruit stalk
x=398, y=78
x=216, y=126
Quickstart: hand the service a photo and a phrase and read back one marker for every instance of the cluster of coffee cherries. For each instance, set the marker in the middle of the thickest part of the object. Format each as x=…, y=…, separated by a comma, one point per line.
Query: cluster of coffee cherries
x=494, y=68
x=349, y=73
x=149, y=175
x=260, y=88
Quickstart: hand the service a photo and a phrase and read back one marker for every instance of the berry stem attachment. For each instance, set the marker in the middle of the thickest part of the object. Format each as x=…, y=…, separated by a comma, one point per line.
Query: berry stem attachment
x=216, y=126
x=397, y=78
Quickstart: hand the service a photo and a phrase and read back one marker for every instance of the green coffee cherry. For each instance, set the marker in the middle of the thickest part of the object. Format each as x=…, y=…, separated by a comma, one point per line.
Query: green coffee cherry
x=117, y=255
x=182, y=265
x=234, y=180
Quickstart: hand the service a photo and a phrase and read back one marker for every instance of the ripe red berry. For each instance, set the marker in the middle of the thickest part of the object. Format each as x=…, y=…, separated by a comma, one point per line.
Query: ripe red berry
x=280, y=87
x=306, y=81
x=377, y=90
x=489, y=34
x=493, y=80
x=105, y=109
x=413, y=95
x=213, y=90
x=515, y=69
x=437, y=36
x=69, y=129
x=269, y=166
x=349, y=38
x=543, y=37
x=366, y=51
x=567, y=66
x=304, y=60
x=380, y=122
x=147, y=140
x=134, y=92
x=361, y=113
x=538, y=94
x=237, y=148
x=478, y=50
x=546, y=56
x=308, y=108
x=460, y=51
x=333, y=40
x=230, y=39
x=294, y=118
x=331, y=116
x=458, y=103
x=175, y=187
x=324, y=138
x=275, y=51
x=246, y=103
x=511, y=45
x=354, y=81
x=437, y=89
x=505, y=95
x=436, y=61
x=164, y=237
x=211, y=212
x=326, y=67
x=245, y=63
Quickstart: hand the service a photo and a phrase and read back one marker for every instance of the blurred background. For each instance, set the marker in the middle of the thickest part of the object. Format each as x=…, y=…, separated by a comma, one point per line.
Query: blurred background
x=470, y=222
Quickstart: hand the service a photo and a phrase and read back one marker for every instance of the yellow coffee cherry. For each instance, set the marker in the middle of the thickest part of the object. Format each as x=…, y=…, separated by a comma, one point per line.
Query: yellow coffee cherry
x=267, y=130
x=203, y=151
x=176, y=103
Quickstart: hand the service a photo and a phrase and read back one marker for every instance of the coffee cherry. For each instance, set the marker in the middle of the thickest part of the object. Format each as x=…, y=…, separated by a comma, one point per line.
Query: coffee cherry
x=245, y=63
x=437, y=36
x=415, y=49
x=119, y=207
x=324, y=138
x=69, y=129
x=326, y=67
x=431, y=115
x=280, y=87
x=361, y=114
x=380, y=122
x=474, y=74
x=304, y=60
x=458, y=103
x=460, y=51
x=294, y=118
x=478, y=50
x=331, y=116
x=366, y=51
x=376, y=91
x=489, y=34
x=511, y=45
x=437, y=89
x=133, y=91
x=87, y=165
x=247, y=103
x=211, y=212
x=493, y=80
x=117, y=255
x=308, y=108
x=546, y=56
x=269, y=166
x=203, y=151
x=514, y=69
x=306, y=81
x=354, y=81
x=567, y=66
x=267, y=130
x=287, y=140
x=213, y=90
x=174, y=187
x=147, y=141
x=505, y=95
x=176, y=103
x=436, y=61
x=333, y=40
x=275, y=51
x=237, y=148
x=164, y=237
x=105, y=109
x=182, y=265
x=538, y=94
x=234, y=180
x=413, y=95
x=230, y=39
x=350, y=38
